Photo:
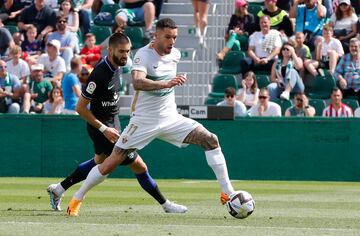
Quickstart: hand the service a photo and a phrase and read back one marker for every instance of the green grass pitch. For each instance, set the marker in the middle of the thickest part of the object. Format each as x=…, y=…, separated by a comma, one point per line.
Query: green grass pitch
x=120, y=207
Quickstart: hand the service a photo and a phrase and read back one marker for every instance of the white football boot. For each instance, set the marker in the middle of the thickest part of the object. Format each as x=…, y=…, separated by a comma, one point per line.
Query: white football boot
x=55, y=199
x=171, y=207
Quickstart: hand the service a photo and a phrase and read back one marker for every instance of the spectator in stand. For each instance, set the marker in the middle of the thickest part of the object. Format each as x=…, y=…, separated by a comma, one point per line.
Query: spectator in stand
x=301, y=107
x=10, y=89
x=357, y=112
x=55, y=103
x=6, y=41
x=31, y=45
x=284, y=74
x=144, y=11
x=18, y=66
x=264, y=107
x=279, y=19
x=18, y=38
x=344, y=22
x=68, y=40
x=201, y=8
x=240, y=26
x=41, y=16
x=12, y=9
x=54, y=65
x=38, y=90
x=347, y=71
x=230, y=100
x=83, y=7
x=264, y=46
x=336, y=107
x=249, y=92
x=327, y=54
x=91, y=53
x=310, y=18
x=71, y=86
x=302, y=51
x=67, y=10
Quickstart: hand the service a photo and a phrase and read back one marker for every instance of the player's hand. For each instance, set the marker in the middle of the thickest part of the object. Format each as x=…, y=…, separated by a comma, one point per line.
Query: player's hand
x=111, y=134
x=177, y=81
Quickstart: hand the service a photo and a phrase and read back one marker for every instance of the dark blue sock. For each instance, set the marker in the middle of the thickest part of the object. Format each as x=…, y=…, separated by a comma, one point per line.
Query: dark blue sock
x=79, y=174
x=150, y=186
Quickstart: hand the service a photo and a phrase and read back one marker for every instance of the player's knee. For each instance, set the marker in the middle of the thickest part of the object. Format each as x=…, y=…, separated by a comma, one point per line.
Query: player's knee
x=212, y=142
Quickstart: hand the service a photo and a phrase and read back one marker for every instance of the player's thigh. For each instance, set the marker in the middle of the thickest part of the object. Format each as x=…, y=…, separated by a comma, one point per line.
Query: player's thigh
x=176, y=129
x=202, y=137
x=101, y=144
x=138, y=133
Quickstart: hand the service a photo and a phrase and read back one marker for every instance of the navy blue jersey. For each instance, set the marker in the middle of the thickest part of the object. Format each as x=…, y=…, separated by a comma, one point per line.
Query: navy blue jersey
x=103, y=89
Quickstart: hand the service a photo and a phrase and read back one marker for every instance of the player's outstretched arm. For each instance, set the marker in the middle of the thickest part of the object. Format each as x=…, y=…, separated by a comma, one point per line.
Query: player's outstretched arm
x=140, y=82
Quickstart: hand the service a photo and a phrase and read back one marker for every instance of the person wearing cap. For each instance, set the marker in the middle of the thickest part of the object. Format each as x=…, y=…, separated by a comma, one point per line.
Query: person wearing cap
x=344, y=22
x=54, y=65
x=40, y=15
x=37, y=91
x=239, y=29
x=310, y=18
x=68, y=40
x=10, y=89
x=279, y=19
x=230, y=100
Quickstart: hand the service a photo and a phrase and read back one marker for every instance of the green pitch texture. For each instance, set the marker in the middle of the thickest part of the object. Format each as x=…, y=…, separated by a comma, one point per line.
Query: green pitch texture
x=120, y=207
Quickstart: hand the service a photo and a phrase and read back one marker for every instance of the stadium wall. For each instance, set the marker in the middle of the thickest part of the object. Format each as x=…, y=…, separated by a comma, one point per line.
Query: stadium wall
x=255, y=149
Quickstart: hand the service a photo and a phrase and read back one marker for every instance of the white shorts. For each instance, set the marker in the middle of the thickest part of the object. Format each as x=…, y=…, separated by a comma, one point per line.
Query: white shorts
x=142, y=130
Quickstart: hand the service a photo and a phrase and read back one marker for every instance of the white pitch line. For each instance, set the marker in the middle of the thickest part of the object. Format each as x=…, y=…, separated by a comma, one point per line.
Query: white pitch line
x=193, y=226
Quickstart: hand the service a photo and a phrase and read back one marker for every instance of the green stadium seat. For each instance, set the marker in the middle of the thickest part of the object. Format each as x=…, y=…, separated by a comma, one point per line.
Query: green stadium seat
x=136, y=36
x=220, y=83
x=254, y=8
x=284, y=104
x=321, y=87
x=12, y=29
x=351, y=103
x=319, y=106
x=100, y=32
x=262, y=80
x=111, y=8
x=213, y=101
x=231, y=63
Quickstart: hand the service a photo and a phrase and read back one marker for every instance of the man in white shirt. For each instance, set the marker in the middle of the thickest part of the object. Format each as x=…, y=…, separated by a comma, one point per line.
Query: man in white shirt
x=264, y=46
x=230, y=100
x=264, y=106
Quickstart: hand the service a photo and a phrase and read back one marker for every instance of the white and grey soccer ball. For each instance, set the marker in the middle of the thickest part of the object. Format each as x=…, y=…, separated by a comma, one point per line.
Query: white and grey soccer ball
x=241, y=204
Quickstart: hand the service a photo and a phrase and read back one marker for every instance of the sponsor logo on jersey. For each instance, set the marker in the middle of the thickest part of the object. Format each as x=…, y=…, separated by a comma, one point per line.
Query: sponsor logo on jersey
x=91, y=87
x=111, y=86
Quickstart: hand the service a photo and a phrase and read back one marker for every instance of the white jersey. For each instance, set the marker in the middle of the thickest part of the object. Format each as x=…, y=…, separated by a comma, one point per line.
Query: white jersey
x=157, y=103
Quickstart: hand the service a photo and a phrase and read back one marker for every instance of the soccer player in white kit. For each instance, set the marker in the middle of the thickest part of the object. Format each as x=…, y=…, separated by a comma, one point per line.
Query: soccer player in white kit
x=154, y=114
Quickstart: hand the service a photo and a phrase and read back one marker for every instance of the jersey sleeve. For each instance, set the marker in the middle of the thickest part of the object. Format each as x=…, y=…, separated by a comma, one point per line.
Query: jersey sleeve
x=140, y=61
x=92, y=85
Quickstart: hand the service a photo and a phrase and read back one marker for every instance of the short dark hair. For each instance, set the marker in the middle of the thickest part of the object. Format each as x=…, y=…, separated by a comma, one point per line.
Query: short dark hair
x=118, y=38
x=166, y=23
x=335, y=89
x=230, y=91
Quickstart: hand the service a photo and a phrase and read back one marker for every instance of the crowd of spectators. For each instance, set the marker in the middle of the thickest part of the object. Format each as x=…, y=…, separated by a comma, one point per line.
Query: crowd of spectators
x=288, y=41
x=307, y=39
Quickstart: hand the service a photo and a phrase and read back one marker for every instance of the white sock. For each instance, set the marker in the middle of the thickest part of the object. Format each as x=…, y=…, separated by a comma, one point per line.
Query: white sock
x=215, y=159
x=59, y=190
x=94, y=178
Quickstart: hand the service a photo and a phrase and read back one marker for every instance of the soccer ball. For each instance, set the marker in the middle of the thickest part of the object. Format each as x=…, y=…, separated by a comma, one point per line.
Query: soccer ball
x=241, y=204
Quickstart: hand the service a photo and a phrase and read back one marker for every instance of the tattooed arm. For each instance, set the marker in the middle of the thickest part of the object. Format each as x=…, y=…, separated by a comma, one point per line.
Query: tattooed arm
x=140, y=82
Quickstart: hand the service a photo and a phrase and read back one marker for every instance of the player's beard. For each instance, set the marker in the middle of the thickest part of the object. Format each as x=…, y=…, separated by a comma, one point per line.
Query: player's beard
x=119, y=61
